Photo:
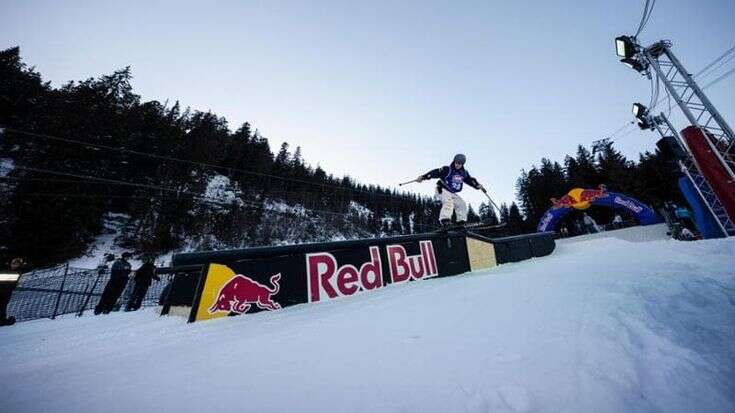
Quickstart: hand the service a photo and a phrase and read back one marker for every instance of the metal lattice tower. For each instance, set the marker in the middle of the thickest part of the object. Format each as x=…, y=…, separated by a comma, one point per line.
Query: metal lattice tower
x=690, y=168
x=701, y=114
x=694, y=103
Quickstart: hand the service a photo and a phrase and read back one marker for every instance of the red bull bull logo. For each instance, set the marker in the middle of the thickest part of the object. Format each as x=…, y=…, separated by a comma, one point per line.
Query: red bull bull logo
x=240, y=293
x=579, y=198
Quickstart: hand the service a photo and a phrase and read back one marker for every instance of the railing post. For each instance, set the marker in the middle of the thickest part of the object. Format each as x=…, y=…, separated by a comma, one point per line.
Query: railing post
x=88, y=294
x=61, y=291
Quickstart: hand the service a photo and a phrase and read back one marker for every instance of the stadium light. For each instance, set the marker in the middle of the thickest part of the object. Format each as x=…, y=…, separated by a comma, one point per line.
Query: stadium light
x=625, y=46
x=641, y=114
x=639, y=110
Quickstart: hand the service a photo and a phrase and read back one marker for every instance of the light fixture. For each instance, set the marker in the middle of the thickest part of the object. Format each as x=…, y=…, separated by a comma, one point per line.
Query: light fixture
x=639, y=110
x=9, y=277
x=625, y=46
x=641, y=114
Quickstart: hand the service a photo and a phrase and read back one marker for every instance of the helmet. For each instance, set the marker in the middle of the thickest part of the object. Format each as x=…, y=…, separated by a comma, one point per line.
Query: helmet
x=460, y=158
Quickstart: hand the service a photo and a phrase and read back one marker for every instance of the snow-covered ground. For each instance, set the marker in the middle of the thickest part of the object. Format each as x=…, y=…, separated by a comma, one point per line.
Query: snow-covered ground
x=6, y=166
x=603, y=325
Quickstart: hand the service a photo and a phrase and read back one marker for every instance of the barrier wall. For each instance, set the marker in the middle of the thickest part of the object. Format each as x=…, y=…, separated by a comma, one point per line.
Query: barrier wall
x=269, y=278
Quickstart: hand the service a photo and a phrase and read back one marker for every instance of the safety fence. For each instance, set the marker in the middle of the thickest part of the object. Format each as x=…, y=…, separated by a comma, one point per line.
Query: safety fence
x=59, y=290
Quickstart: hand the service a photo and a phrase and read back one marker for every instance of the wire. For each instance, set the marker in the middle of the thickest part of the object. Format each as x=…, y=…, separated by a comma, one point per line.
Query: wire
x=643, y=18
x=722, y=56
x=723, y=77
x=647, y=11
x=192, y=196
x=650, y=13
x=150, y=155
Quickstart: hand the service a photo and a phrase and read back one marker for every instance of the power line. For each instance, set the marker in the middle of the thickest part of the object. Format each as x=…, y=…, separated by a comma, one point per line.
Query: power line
x=191, y=195
x=724, y=76
x=190, y=162
x=722, y=56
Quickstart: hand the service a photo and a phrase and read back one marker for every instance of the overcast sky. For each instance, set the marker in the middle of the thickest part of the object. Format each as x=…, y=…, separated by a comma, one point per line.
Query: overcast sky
x=384, y=91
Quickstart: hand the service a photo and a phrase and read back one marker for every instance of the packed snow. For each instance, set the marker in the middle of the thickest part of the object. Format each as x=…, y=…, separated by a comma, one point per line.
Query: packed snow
x=6, y=166
x=603, y=325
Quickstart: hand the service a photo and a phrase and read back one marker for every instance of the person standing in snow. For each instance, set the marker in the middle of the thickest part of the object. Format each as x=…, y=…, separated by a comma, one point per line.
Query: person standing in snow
x=119, y=274
x=451, y=179
x=590, y=224
x=617, y=221
x=144, y=276
x=8, y=281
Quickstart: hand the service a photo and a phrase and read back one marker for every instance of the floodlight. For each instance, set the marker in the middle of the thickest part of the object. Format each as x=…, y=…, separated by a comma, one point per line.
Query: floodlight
x=639, y=111
x=625, y=46
x=9, y=277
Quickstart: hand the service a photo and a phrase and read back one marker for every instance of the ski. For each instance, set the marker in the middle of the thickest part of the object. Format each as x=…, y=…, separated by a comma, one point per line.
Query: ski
x=469, y=227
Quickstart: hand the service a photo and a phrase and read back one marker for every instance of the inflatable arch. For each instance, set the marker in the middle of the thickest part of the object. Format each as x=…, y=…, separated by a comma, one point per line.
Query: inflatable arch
x=579, y=198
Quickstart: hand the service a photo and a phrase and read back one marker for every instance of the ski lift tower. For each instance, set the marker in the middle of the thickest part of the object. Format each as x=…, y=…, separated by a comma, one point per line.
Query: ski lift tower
x=700, y=113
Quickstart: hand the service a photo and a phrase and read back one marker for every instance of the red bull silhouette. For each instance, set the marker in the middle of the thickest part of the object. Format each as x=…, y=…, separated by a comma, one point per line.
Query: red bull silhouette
x=564, y=202
x=240, y=293
x=589, y=195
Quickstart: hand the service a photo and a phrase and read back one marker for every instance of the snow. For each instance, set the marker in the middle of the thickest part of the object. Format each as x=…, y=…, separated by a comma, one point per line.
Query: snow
x=604, y=325
x=220, y=189
x=105, y=243
x=6, y=166
x=360, y=210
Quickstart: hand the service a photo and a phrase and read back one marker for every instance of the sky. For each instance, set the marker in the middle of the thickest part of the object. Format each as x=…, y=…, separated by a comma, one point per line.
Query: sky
x=386, y=90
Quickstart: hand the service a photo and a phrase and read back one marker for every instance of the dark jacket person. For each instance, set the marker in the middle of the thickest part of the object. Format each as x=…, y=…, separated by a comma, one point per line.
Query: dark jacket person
x=144, y=276
x=119, y=274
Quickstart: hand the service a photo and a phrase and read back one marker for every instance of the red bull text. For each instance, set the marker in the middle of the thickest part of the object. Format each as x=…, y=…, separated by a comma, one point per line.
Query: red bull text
x=405, y=267
x=327, y=280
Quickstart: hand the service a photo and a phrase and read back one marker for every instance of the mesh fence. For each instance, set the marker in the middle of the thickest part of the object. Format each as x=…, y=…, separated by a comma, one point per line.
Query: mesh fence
x=61, y=290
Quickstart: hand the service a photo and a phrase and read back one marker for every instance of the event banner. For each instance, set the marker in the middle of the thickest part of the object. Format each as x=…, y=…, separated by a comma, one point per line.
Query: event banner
x=233, y=286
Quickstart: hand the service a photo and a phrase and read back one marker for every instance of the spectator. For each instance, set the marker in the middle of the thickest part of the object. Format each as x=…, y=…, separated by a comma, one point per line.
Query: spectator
x=686, y=235
x=564, y=232
x=119, y=274
x=577, y=227
x=590, y=224
x=617, y=221
x=8, y=281
x=685, y=217
x=144, y=276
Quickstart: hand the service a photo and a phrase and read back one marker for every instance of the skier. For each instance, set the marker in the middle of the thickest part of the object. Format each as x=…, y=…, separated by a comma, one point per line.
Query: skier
x=118, y=280
x=450, y=182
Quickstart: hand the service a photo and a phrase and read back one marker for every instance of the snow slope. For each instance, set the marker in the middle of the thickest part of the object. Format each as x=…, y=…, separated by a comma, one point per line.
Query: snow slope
x=604, y=326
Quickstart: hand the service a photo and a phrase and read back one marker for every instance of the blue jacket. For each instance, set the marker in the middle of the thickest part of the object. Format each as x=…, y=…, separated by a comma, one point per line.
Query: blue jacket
x=452, y=179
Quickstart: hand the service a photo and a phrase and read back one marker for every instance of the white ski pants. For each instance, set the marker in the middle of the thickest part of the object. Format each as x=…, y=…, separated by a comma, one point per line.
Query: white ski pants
x=452, y=203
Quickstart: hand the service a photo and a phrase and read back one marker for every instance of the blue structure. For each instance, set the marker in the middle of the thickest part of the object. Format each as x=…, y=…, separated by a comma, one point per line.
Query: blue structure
x=704, y=220
x=582, y=199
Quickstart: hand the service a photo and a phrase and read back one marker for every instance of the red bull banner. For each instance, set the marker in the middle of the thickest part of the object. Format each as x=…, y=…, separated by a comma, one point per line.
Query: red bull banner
x=246, y=281
x=581, y=199
x=266, y=279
